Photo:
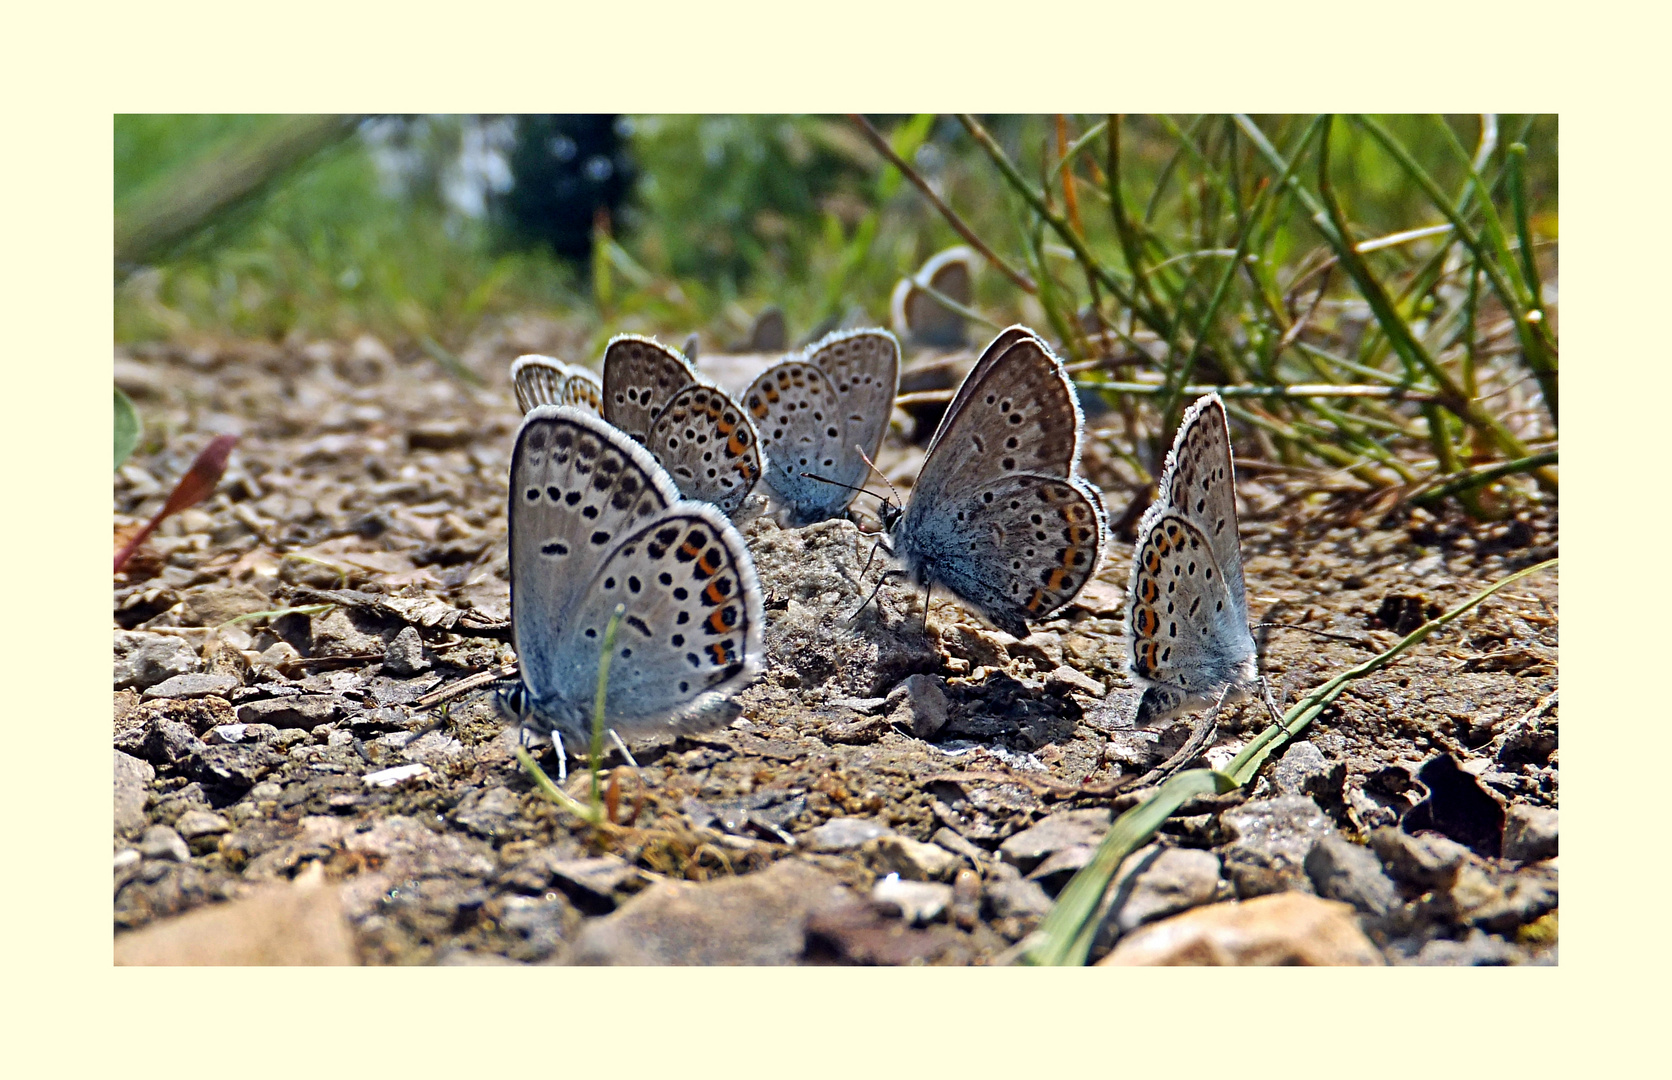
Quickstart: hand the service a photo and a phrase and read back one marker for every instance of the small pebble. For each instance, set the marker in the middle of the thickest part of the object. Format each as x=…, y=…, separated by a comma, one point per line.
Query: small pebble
x=400, y=774
x=162, y=842
x=917, y=902
x=843, y=834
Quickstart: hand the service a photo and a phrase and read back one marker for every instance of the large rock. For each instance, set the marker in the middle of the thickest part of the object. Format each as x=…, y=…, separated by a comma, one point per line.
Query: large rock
x=757, y=919
x=299, y=924
x=1289, y=929
x=133, y=781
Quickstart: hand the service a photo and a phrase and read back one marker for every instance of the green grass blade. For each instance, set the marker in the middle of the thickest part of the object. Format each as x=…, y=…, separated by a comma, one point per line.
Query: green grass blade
x=1066, y=934
x=1246, y=764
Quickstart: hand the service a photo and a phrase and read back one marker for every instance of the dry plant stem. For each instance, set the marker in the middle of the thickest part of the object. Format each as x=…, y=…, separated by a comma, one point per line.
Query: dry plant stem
x=1033, y=198
x=1399, y=333
x=465, y=685
x=877, y=140
x=1538, y=356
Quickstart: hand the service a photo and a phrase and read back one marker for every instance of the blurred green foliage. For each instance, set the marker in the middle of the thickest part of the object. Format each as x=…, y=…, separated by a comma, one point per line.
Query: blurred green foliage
x=730, y=213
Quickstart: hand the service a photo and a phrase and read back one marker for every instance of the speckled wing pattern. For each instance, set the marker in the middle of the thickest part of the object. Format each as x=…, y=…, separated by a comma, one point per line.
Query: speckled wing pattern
x=1187, y=613
x=545, y=380
x=698, y=433
x=707, y=445
x=818, y=412
x=595, y=522
x=641, y=375
x=999, y=513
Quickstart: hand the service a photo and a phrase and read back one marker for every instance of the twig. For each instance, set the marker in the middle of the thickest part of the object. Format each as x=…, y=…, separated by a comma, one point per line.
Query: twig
x=876, y=139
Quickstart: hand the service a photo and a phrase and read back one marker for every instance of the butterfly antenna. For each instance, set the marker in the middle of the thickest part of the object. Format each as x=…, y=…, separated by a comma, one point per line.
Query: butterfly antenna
x=867, y=459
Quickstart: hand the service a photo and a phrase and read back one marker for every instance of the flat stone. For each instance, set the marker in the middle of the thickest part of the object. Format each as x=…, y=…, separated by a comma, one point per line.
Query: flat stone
x=1069, y=828
x=132, y=784
x=1427, y=861
x=162, y=842
x=404, y=655
x=1288, y=929
x=600, y=877
x=917, y=902
x=911, y=859
x=1016, y=898
x=1303, y=770
x=1273, y=838
x=1344, y=871
x=161, y=741
x=1529, y=833
x=212, y=606
x=144, y=660
x=1155, y=882
x=400, y=774
x=1064, y=680
x=955, y=843
x=843, y=834
x=760, y=918
x=195, y=824
x=868, y=706
x=918, y=705
x=285, y=925
x=1479, y=949
x=297, y=711
x=192, y=685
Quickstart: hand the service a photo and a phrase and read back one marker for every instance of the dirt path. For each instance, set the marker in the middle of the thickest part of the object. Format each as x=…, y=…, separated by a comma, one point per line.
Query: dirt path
x=369, y=492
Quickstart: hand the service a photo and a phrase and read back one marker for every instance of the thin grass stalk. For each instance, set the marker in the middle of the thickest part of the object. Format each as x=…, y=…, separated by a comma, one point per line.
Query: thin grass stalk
x=1166, y=175
x=1246, y=764
x=1399, y=333
x=1518, y=302
x=1125, y=232
x=1034, y=199
x=1516, y=168
x=876, y=139
x=1472, y=479
x=1049, y=297
x=1324, y=451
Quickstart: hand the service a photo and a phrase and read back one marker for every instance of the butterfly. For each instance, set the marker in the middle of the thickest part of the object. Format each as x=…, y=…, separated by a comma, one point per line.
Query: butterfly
x=543, y=380
x=999, y=514
x=921, y=319
x=1188, y=639
x=821, y=415
x=595, y=522
x=699, y=435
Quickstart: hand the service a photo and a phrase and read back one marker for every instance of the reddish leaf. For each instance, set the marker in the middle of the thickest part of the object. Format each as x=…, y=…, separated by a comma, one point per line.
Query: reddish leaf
x=193, y=488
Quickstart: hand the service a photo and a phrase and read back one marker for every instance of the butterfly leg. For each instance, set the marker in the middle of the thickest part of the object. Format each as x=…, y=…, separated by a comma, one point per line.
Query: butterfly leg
x=626, y=754
x=880, y=583
x=562, y=757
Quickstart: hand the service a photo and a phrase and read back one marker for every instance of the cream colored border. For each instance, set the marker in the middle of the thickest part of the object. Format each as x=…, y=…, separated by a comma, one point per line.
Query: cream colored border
x=68, y=72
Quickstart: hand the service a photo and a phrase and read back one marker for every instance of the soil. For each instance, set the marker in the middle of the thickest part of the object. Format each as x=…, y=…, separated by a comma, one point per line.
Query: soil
x=366, y=499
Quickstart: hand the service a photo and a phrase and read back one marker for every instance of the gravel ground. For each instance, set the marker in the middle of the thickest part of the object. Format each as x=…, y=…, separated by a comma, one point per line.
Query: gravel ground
x=889, y=795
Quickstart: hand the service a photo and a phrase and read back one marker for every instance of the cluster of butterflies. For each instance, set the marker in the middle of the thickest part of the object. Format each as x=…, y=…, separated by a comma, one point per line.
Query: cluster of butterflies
x=622, y=491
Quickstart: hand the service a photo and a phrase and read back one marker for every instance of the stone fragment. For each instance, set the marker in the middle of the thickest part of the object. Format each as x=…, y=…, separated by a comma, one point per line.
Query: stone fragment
x=1289, y=929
